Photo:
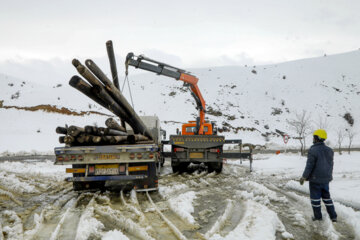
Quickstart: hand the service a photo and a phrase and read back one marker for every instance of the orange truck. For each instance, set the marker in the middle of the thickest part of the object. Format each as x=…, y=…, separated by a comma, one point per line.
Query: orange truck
x=197, y=142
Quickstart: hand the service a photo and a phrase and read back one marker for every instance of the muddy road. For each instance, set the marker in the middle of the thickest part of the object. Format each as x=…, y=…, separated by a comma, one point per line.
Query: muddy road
x=235, y=204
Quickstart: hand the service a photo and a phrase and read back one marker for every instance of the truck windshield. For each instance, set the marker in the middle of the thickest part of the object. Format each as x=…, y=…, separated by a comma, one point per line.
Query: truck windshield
x=193, y=129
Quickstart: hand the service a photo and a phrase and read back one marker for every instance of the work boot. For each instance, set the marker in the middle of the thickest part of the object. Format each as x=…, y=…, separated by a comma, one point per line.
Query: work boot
x=334, y=220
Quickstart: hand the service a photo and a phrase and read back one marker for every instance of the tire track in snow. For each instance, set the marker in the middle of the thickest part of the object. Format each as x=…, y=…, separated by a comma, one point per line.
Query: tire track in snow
x=10, y=196
x=160, y=227
x=65, y=215
x=88, y=226
x=211, y=201
x=68, y=228
x=115, y=217
x=173, y=228
x=219, y=224
x=134, y=207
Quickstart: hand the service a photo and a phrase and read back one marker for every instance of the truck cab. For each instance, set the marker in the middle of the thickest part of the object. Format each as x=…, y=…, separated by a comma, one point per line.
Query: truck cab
x=191, y=128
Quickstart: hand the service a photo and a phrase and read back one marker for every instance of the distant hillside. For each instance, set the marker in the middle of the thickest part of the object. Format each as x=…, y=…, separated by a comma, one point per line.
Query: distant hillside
x=251, y=102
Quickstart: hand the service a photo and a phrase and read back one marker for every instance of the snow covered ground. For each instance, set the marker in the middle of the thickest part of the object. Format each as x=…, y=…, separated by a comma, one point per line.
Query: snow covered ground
x=269, y=203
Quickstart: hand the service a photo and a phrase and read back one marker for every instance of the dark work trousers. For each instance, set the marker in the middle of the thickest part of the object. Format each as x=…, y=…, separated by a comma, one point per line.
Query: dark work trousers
x=318, y=191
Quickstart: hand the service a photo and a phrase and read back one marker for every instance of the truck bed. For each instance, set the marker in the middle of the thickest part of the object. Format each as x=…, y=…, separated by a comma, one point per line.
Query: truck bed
x=111, y=166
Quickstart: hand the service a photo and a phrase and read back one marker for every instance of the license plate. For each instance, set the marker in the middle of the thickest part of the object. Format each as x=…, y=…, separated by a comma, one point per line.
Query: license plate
x=109, y=169
x=196, y=155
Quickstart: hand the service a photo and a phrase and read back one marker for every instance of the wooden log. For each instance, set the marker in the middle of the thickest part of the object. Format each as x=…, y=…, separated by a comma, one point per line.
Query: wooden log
x=62, y=139
x=81, y=138
x=61, y=130
x=75, y=131
x=130, y=115
x=89, y=129
x=96, y=139
x=85, y=88
x=69, y=140
x=114, y=139
x=111, y=55
x=98, y=90
x=112, y=132
x=136, y=138
x=111, y=123
x=94, y=130
x=119, y=139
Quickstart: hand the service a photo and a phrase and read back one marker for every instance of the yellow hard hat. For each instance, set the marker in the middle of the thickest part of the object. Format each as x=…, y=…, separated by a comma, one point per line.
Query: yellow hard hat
x=321, y=133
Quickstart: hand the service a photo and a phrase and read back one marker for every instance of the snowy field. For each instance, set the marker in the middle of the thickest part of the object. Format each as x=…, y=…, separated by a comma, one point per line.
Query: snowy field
x=269, y=203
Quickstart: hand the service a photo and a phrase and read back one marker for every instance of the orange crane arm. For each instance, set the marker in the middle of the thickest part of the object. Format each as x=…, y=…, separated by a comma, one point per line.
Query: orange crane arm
x=192, y=80
x=160, y=68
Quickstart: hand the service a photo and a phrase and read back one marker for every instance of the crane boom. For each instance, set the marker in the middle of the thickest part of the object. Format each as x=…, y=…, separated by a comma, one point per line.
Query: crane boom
x=164, y=69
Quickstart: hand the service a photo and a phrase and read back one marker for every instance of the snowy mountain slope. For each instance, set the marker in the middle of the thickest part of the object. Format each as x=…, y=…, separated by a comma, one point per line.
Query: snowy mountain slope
x=250, y=101
x=264, y=97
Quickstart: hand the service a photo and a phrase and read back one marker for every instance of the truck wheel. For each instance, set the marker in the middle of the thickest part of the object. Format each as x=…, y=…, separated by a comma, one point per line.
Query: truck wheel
x=183, y=167
x=175, y=168
x=215, y=166
x=78, y=186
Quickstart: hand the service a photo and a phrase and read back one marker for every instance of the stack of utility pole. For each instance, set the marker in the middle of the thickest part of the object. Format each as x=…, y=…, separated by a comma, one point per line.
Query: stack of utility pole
x=92, y=135
x=97, y=86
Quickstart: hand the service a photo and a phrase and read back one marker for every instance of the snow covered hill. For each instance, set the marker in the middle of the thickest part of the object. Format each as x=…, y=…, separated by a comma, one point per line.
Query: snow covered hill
x=251, y=101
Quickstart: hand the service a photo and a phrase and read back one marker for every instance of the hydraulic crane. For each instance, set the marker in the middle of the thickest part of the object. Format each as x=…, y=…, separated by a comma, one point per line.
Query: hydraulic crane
x=200, y=127
x=198, y=141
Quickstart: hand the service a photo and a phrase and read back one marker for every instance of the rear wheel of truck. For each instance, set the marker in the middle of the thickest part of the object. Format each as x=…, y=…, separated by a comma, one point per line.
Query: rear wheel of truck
x=215, y=166
x=180, y=167
x=79, y=186
x=183, y=167
x=175, y=168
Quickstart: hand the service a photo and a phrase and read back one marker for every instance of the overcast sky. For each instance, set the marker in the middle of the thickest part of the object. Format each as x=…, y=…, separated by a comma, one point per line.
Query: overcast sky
x=183, y=33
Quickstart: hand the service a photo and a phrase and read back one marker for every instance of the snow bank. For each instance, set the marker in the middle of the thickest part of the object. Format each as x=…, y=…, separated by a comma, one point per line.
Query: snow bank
x=182, y=205
x=167, y=191
x=13, y=183
x=88, y=225
x=114, y=234
x=258, y=223
x=35, y=169
x=38, y=221
x=122, y=222
x=12, y=225
x=259, y=189
x=23, y=177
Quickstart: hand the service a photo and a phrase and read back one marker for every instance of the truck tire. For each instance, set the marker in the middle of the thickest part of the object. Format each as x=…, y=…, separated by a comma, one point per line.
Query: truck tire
x=215, y=166
x=180, y=167
x=175, y=168
x=79, y=186
x=183, y=167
